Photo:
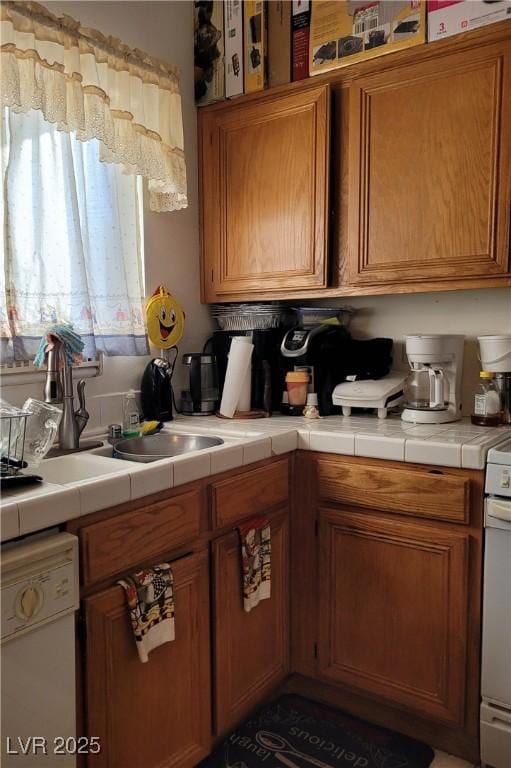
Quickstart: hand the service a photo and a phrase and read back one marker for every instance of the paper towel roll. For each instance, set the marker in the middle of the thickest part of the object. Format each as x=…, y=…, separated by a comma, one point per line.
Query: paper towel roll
x=238, y=365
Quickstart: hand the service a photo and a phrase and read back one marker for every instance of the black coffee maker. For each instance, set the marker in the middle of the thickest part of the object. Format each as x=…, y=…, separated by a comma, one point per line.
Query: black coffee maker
x=329, y=355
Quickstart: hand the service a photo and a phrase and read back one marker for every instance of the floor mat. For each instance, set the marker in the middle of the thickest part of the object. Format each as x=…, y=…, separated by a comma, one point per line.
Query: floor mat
x=293, y=732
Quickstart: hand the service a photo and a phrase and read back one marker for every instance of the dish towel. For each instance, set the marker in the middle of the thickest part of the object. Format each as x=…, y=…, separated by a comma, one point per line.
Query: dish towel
x=150, y=599
x=60, y=335
x=255, y=538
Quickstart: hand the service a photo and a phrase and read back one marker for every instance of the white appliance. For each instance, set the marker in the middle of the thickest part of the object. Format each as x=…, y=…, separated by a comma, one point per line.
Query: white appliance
x=381, y=394
x=433, y=385
x=38, y=698
x=496, y=655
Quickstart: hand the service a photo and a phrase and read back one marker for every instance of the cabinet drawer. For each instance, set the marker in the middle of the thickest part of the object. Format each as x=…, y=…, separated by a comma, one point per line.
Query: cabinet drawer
x=114, y=545
x=250, y=493
x=415, y=492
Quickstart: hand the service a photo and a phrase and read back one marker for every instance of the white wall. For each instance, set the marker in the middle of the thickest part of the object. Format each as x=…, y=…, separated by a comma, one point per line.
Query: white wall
x=164, y=29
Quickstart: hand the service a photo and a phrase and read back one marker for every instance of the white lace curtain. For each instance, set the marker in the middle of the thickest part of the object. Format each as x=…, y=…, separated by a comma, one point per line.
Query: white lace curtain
x=72, y=242
x=98, y=88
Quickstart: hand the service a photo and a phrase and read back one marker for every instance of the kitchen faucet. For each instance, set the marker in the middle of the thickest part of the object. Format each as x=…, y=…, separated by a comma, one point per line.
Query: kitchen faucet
x=59, y=389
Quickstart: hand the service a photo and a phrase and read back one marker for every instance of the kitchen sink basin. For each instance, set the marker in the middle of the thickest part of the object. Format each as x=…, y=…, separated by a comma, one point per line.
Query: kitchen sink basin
x=162, y=446
x=77, y=467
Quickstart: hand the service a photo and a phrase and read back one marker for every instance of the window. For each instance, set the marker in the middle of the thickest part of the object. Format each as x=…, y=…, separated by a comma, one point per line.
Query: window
x=73, y=242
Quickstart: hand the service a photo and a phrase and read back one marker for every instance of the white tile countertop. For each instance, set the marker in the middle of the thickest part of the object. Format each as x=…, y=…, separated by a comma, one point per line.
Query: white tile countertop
x=94, y=480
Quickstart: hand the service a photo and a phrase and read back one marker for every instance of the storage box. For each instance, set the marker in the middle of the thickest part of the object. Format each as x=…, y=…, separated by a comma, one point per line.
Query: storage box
x=449, y=17
x=233, y=48
x=279, y=42
x=209, y=51
x=255, y=32
x=347, y=31
x=300, y=25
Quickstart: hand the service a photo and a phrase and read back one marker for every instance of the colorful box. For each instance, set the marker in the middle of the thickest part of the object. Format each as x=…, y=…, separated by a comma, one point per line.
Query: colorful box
x=300, y=25
x=233, y=48
x=347, y=31
x=255, y=33
x=450, y=17
x=279, y=42
x=209, y=51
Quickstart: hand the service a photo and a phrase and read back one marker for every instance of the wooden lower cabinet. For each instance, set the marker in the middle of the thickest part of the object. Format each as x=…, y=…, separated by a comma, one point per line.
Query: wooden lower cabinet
x=157, y=713
x=393, y=607
x=251, y=650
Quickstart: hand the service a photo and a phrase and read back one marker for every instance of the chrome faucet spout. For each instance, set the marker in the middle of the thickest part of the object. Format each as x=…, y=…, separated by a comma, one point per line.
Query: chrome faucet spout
x=72, y=422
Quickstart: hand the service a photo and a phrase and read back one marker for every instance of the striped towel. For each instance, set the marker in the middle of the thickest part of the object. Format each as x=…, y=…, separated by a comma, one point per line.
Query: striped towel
x=150, y=599
x=255, y=538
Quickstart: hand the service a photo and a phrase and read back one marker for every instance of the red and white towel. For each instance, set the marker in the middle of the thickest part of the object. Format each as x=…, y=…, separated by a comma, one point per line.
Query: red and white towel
x=150, y=599
x=255, y=537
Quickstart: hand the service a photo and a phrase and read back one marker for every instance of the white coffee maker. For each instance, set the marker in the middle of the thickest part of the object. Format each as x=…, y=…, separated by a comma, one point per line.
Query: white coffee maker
x=432, y=389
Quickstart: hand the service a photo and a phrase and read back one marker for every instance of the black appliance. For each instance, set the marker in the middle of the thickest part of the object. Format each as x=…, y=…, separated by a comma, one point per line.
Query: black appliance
x=201, y=397
x=156, y=391
x=267, y=376
x=329, y=354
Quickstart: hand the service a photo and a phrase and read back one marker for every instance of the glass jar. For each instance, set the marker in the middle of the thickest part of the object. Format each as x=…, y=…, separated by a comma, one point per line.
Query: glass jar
x=486, y=402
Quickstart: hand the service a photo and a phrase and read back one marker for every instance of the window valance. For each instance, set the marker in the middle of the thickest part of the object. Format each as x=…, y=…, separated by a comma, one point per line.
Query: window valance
x=100, y=88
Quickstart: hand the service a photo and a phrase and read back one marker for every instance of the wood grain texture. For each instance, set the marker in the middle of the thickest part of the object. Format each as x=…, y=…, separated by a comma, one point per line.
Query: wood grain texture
x=382, y=587
x=114, y=545
x=264, y=178
x=422, y=494
x=429, y=167
x=393, y=602
x=250, y=493
x=251, y=650
x=153, y=715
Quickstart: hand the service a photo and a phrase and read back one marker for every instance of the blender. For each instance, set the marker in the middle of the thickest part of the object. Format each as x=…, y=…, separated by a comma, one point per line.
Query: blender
x=432, y=388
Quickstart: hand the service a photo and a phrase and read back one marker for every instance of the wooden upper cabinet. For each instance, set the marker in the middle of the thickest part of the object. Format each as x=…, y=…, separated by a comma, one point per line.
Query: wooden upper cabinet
x=157, y=714
x=429, y=156
x=264, y=194
x=393, y=604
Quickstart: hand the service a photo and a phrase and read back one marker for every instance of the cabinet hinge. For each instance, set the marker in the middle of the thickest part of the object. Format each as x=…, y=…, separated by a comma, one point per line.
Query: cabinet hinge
x=212, y=275
x=315, y=650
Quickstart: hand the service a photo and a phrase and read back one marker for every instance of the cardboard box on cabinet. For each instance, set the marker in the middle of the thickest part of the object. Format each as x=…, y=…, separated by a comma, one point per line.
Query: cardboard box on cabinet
x=279, y=42
x=450, y=17
x=255, y=34
x=209, y=72
x=233, y=48
x=347, y=31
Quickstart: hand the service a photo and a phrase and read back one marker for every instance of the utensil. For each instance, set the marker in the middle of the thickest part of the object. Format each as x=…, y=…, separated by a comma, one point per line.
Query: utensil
x=275, y=743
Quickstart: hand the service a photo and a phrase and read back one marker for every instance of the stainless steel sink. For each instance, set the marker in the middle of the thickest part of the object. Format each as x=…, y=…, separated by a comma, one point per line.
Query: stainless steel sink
x=154, y=447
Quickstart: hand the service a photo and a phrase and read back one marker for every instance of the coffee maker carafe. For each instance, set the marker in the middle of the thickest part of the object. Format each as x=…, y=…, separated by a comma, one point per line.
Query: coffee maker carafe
x=432, y=389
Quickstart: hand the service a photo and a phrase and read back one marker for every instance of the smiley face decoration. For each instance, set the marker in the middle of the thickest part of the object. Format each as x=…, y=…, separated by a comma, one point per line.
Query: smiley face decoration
x=165, y=319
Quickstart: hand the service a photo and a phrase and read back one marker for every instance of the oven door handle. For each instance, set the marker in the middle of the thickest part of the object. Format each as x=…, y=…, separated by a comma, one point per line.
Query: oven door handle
x=500, y=510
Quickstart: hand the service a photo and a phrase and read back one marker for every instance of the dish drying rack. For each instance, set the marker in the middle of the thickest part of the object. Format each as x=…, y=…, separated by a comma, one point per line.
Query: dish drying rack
x=13, y=425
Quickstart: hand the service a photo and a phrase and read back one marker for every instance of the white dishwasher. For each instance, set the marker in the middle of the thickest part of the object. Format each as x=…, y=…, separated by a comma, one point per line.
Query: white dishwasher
x=38, y=695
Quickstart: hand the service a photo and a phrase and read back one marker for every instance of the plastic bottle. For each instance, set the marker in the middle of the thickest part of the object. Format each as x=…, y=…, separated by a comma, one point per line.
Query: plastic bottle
x=131, y=416
x=486, y=402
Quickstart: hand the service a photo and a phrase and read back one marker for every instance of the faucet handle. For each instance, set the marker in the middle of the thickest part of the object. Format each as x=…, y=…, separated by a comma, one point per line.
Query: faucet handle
x=82, y=414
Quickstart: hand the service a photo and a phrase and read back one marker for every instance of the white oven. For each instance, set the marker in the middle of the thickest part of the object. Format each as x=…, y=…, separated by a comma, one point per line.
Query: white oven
x=496, y=655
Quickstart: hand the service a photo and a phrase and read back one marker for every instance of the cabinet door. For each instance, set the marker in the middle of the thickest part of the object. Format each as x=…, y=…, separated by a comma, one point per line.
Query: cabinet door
x=430, y=170
x=157, y=713
x=251, y=650
x=393, y=611
x=264, y=187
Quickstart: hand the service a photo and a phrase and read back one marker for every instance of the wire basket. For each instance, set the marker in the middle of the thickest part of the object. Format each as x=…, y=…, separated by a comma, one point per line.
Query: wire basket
x=13, y=425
